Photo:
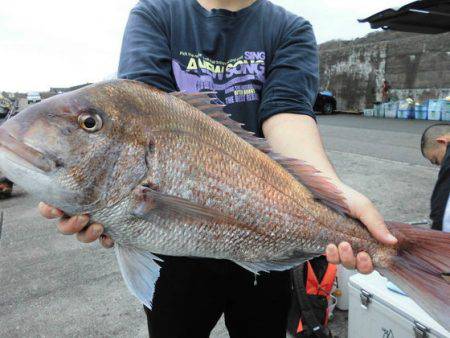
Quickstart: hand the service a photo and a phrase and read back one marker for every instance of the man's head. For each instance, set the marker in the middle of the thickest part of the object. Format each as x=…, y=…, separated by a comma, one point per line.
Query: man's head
x=435, y=140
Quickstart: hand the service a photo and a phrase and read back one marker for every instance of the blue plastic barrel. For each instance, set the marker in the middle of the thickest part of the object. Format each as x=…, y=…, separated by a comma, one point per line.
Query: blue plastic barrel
x=446, y=112
x=391, y=109
x=406, y=109
x=435, y=108
x=421, y=111
x=406, y=113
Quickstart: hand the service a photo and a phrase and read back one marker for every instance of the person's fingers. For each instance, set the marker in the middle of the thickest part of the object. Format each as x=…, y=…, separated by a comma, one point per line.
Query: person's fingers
x=348, y=260
x=90, y=233
x=364, y=210
x=376, y=226
x=374, y=222
x=48, y=211
x=106, y=241
x=364, y=263
x=332, y=254
x=72, y=225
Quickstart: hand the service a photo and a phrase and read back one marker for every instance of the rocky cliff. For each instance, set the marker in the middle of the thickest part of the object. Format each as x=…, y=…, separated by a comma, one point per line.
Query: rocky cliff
x=416, y=66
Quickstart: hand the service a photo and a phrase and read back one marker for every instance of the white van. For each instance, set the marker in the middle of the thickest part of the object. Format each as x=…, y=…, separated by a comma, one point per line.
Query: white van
x=33, y=97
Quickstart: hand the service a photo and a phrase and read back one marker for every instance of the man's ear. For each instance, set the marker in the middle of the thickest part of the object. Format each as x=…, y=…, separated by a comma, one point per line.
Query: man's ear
x=442, y=140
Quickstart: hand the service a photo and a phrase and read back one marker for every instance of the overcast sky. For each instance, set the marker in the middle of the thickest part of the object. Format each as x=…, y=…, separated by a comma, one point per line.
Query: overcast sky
x=61, y=43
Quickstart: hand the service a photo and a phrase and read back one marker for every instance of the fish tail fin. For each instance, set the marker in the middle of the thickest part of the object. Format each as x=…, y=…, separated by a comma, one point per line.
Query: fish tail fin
x=422, y=268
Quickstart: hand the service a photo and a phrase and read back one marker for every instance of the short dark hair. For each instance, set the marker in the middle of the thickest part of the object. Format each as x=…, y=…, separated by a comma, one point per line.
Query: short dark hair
x=430, y=135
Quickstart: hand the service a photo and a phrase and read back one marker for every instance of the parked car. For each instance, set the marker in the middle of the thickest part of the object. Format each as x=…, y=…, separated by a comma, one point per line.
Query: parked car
x=325, y=103
x=33, y=97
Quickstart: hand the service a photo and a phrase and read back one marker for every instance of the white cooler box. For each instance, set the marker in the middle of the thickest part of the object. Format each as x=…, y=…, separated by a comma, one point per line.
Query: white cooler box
x=377, y=312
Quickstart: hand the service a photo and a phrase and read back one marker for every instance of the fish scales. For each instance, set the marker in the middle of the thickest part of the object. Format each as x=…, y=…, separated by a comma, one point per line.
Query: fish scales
x=237, y=168
x=264, y=178
x=172, y=174
x=256, y=164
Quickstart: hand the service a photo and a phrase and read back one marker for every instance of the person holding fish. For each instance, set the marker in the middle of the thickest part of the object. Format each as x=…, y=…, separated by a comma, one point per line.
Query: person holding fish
x=269, y=80
x=219, y=210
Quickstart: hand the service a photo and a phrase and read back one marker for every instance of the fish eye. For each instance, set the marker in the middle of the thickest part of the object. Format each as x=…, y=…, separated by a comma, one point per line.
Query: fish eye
x=90, y=122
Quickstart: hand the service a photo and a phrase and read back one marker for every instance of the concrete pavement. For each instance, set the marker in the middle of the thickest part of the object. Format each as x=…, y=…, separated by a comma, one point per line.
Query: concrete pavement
x=53, y=286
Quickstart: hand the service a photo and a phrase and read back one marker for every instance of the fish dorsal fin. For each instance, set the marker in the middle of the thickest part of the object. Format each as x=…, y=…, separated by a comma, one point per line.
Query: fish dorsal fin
x=210, y=104
x=207, y=102
x=319, y=186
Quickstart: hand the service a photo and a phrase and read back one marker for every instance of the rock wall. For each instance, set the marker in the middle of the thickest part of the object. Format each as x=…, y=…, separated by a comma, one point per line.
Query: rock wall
x=415, y=65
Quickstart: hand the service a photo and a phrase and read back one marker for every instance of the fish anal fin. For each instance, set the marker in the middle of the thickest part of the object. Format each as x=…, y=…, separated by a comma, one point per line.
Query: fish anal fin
x=139, y=271
x=284, y=264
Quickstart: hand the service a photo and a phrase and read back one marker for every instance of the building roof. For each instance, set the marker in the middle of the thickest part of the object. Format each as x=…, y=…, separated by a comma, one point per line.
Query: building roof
x=426, y=16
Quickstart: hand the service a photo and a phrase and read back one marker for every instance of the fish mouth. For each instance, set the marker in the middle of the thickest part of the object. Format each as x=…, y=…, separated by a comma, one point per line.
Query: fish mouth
x=25, y=152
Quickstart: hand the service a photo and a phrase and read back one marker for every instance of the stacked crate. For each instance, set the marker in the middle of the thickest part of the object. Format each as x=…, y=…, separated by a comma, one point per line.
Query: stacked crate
x=446, y=112
x=391, y=109
x=378, y=110
x=421, y=111
x=406, y=109
x=435, y=108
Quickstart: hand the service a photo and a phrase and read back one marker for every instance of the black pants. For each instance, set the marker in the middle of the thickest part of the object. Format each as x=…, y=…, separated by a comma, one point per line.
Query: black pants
x=192, y=294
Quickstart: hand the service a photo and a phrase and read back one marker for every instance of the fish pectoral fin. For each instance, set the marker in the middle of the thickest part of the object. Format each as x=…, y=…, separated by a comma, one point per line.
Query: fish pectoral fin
x=149, y=201
x=139, y=271
x=278, y=265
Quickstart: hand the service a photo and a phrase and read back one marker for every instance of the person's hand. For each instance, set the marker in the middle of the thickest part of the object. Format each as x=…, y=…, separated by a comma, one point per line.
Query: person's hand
x=76, y=225
x=361, y=208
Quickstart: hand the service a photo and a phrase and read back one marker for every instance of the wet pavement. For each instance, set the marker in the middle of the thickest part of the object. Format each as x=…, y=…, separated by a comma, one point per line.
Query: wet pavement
x=51, y=285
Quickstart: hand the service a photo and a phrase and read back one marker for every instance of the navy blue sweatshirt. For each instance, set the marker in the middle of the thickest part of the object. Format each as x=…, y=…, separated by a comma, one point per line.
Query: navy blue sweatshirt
x=261, y=60
x=440, y=197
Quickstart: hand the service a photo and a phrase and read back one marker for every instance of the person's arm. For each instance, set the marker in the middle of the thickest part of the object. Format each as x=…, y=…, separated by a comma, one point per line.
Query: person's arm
x=288, y=122
x=146, y=57
x=297, y=136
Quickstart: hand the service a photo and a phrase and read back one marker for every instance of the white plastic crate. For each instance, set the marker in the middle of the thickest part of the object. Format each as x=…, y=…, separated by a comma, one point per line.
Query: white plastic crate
x=378, y=110
x=391, y=109
x=375, y=311
x=435, y=109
